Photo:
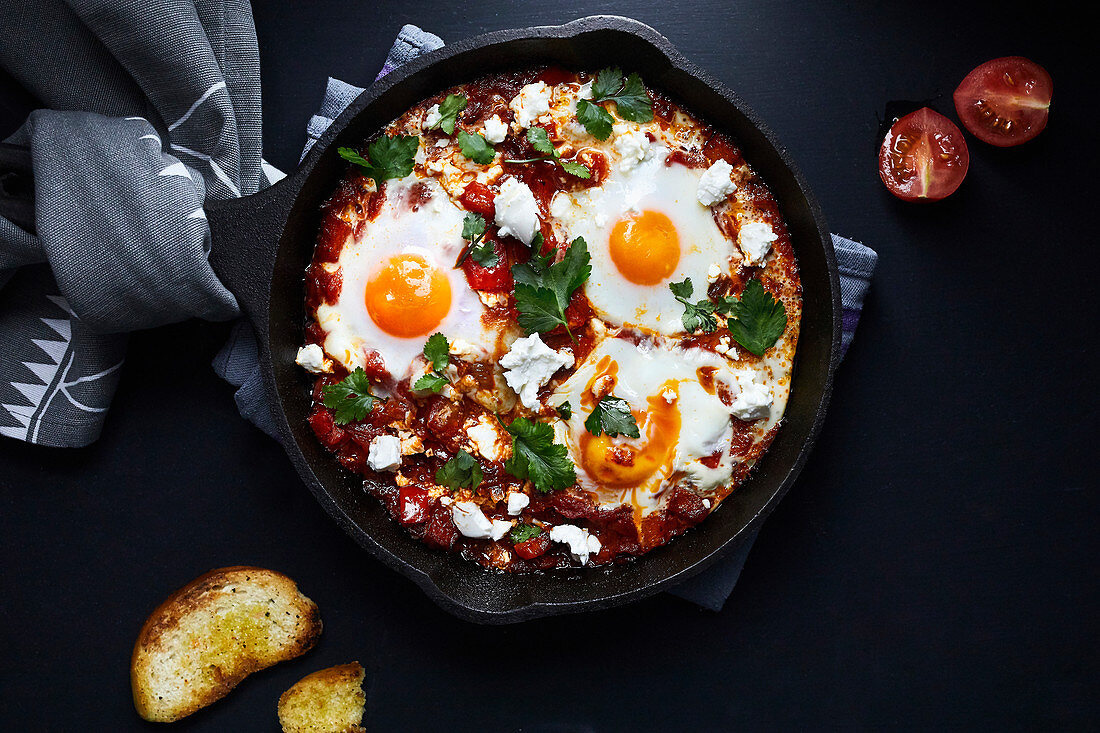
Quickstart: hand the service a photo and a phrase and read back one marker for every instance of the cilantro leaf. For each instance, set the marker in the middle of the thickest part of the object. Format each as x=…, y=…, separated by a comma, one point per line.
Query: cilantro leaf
x=387, y=157
x=596, y=119
x=476, y=148
x=484, y=255
x=612, y=415
x=437, y=351
x=523, y=532
x=565, y=410
x=448, y=110
x=461, y=470
x=473, y=227
x=350, y=397
x=632, y=103
x=537, y=458
x=540, y=141
x=607, y=82
x=543, y=290
x=536, y=242
x=580, y=170
x=430, y=382
x=757, y=319
x=697, y=316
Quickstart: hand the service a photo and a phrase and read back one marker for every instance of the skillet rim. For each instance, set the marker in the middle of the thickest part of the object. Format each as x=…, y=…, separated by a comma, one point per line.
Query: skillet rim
x=422, y=578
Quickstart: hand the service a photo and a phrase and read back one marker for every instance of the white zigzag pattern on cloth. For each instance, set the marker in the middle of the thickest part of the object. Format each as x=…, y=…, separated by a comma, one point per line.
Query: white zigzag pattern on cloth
x=35, y=393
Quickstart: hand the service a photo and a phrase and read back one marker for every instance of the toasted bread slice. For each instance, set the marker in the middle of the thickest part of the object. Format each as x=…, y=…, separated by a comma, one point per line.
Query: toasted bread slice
x=327, y=701
x=212, y=633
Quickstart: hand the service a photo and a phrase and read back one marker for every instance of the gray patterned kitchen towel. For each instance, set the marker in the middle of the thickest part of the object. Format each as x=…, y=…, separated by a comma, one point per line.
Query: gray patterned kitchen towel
x=142, y=123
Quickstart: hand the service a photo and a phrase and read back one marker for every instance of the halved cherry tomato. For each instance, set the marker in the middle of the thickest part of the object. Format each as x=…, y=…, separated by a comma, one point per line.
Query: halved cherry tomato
x=923, y=157
x=533, y=547
x=1005, y=101
x=497, y=278
x=412, y=505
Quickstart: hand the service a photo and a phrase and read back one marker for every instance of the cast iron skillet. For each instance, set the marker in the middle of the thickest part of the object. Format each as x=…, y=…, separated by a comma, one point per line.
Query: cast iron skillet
x=262, y=244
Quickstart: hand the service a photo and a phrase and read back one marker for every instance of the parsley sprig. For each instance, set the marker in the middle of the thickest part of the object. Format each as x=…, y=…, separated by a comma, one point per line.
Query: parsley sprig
x=523, y=532
x=698, y=315
x=475, y=147
x=632, y=103
x=540, y=141
x=537, y=458
x=461, y=470
x=448, y=113
x=438, y=353
x=543, y=290
x=473, y=231
x=564, y=410
x=756, y=319
x=612, y=415
x=350, y=397
x=389, y=156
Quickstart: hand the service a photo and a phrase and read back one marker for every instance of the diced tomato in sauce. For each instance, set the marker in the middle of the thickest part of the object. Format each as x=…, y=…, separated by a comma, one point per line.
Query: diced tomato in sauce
x=478, y=198
x=412, y=505
x=534, y=547
x=496, y=279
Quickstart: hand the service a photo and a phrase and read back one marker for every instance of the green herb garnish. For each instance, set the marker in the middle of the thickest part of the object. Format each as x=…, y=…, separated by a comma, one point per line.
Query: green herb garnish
x=612, y=415
x=438, y=353
x=543, y=290
x=448, y=112
x=564, y=410
x=461, y=470
x=540, y=141
x=697, y=316
x=537, y=458
x=473, y=230
x=476, y=148
x=350, y=397
x=387, y=157
x=523, y=532
x=756, y=319
x=631, y=102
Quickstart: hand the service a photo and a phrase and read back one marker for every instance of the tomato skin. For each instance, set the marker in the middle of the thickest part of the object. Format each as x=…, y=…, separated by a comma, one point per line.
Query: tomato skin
x=497, y=278
x=532, y=548
x=1006, y=101
x=923, y=157
x=478, y=198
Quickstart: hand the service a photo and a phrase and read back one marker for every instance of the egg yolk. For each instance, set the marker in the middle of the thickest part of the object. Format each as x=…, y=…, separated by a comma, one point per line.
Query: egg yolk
x=622, y=465
x=645, y=247
x=408, y=296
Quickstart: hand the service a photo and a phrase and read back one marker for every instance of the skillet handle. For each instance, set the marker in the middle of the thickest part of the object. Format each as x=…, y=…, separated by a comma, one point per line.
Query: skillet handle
x=244, y=240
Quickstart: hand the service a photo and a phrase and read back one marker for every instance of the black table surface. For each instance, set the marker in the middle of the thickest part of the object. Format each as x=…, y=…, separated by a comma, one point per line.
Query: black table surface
x=934, y=566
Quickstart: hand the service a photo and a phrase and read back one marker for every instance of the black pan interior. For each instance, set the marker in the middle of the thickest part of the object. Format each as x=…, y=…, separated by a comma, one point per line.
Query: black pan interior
x=463, y=587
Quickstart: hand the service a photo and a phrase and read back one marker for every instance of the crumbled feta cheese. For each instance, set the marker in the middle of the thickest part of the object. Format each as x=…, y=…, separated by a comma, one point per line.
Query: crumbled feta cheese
x=517, y=213
x=531, y=102
x=753, y=402
x=500, y=528
x=706, y=503
x=432, y=118
x=495, y=130
x=581, y=543
x=486, y=439
x=435, y=165
x=442, y=142
x=755, y=240
x=517, y=502
x=725, y=347
x=585, y=92
x=632, y=146
x=713, y=272
x=410, y=443
x=715, y=184
x=471, y=521
x=384, y=453
x=446, y=500
x=312, y=358
x=529, y=364
x=669, y=396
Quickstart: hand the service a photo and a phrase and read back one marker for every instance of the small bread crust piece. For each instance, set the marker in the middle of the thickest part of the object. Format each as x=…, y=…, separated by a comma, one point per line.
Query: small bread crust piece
x=327, y=701
x=212, y=633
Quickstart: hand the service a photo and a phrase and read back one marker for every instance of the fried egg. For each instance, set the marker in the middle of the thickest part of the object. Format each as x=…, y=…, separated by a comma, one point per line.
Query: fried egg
x=644, y=229
x=684, y=424
x=400, y=284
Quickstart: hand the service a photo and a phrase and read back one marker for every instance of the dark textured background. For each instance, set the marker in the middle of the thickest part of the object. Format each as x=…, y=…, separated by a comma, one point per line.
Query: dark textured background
x=934, y=566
